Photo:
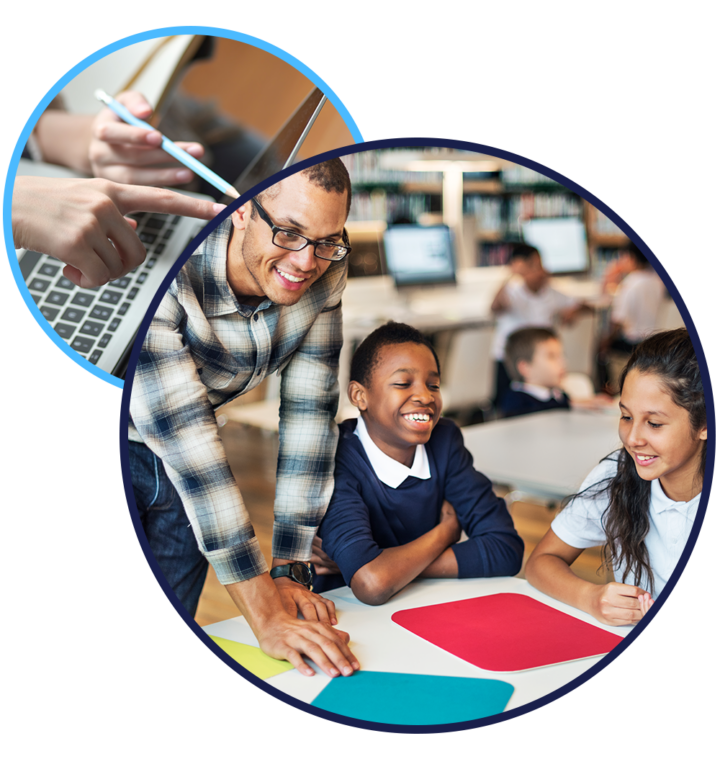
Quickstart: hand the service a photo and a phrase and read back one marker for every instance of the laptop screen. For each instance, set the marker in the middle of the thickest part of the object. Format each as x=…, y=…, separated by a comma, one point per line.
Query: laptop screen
x=420, y=255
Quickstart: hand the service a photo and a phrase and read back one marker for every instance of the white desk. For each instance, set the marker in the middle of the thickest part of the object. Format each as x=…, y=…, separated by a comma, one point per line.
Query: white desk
x=370, y=302
x=381, y=645
x=547, y=454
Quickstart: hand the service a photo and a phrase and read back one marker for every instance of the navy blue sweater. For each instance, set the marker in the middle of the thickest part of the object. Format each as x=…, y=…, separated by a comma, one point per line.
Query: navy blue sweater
x=518, y=402
x=366, y=516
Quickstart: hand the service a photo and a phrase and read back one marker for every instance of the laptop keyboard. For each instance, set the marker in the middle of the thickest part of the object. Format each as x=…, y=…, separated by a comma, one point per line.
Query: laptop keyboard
x=89, y=319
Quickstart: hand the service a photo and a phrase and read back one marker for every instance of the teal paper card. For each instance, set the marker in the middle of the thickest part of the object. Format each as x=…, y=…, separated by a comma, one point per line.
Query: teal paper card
x=377, y=696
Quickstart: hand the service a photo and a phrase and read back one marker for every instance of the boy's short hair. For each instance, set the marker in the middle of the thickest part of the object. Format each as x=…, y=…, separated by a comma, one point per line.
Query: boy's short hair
x=520, y=250
x=393, y=333
x=520, y=346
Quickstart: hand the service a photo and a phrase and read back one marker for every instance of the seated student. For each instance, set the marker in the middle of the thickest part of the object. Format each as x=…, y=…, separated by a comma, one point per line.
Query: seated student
x=526, y=301
x=635, y=314
x=535, y=361
x=641, y=501
x=405, y=486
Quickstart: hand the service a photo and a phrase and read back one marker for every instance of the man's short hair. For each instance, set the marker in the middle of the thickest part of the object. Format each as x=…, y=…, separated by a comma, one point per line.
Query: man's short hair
x=367, y=355
x=634, y=251
x=520, y=250
x=332, y=176
x=520, y=346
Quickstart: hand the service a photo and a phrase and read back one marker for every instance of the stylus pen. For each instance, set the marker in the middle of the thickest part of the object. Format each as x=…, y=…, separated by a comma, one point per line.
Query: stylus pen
x=167, y=145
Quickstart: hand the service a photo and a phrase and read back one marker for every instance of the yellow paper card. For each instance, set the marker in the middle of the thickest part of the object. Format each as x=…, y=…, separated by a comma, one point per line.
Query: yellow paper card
x=252, y=658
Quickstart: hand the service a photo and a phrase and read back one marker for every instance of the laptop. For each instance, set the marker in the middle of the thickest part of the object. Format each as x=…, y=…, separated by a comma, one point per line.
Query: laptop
x=420, y=256
x=100, y=324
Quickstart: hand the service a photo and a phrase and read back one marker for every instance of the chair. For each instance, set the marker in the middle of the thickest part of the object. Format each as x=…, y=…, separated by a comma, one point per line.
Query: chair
x=579, y=343
x=468, y=370
x=578, y=386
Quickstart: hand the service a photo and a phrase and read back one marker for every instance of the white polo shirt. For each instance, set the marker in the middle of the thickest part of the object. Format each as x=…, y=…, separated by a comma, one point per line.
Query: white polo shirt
x=528, y=308
x=580, y=524
x=389, y=471
x=637, y=304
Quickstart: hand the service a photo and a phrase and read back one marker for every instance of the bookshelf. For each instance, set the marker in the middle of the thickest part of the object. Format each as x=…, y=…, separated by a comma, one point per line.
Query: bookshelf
x=482, y=198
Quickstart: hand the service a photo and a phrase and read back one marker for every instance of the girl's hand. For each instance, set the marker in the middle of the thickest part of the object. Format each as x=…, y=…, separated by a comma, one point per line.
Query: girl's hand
x=617, y=604
x=645, y=603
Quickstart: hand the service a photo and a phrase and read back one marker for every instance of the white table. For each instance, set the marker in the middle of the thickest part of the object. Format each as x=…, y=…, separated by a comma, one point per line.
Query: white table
x=547, y=454
x=381, y=645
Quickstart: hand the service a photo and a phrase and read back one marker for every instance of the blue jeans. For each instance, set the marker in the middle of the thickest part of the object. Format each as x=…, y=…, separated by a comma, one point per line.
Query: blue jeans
x=167, y=527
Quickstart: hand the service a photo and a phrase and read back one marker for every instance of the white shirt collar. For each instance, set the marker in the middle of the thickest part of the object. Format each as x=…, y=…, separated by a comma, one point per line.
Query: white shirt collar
x=661, y=502
x=389, y=471
x=541, y=393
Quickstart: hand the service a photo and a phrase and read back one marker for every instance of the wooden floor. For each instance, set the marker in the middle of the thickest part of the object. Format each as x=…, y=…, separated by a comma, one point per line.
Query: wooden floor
x=252, y=454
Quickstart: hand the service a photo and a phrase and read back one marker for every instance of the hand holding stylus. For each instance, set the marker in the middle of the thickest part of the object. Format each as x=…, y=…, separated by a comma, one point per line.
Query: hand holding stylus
x=131, y=154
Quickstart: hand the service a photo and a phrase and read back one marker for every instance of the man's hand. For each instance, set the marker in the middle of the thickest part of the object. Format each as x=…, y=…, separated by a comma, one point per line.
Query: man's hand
x=323, y=565
x=285, y=637
x=297, y=599
x=128, y=154
x=82, y=223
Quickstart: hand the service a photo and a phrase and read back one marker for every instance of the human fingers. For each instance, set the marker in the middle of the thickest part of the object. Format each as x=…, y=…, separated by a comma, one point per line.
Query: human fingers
x=108, y=128
x=136, y=103
x=627, y=590
x=90, y=255
x=294, y=657
x=645, y=603
x=147, y=166
x=314, y=607
x=448, y=511
x=148, y=199
x=324, y=646
x=328, y=606
x=614, y=609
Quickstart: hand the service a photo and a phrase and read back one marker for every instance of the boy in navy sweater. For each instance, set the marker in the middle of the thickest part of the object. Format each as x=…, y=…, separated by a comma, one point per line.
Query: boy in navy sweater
x=405, y=486
x=535, y=361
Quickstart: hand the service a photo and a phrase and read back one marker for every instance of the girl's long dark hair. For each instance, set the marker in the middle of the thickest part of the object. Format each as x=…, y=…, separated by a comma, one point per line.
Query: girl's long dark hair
x=671, y=357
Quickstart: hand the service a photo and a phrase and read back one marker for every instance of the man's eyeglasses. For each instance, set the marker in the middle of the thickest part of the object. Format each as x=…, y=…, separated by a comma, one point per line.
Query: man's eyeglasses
x=294, y=241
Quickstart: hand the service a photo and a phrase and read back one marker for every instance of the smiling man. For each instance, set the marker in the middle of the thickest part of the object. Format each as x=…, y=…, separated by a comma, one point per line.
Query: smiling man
x=261, y=295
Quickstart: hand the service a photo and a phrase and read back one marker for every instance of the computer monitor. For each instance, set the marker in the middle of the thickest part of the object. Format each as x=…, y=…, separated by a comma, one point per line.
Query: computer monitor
x=562, y=243
x=420, y=255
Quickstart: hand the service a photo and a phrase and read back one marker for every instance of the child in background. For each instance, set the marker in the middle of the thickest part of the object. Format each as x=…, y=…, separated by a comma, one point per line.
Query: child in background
x=405, y=486
x=527, y=301
x=534, y=360
x=635, y=314
x=641, y=501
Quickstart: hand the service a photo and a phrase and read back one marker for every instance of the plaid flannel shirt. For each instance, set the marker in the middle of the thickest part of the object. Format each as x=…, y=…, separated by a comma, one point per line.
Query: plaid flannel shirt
x=203, y=349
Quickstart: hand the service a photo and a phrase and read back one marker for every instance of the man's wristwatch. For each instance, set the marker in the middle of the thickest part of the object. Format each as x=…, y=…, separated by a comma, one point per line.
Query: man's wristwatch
x=300, y=572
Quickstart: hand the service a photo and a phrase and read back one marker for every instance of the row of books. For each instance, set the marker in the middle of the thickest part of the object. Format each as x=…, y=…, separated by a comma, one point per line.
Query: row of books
x=388, y=206
x=365, y=168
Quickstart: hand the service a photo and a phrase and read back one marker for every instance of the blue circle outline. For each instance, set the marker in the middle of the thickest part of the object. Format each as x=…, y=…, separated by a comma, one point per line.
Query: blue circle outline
x=60, y=84
x=603, y=662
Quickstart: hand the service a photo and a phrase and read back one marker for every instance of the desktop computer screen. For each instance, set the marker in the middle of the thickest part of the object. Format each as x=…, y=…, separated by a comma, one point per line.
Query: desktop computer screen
x=562, y=243
x=420, y=255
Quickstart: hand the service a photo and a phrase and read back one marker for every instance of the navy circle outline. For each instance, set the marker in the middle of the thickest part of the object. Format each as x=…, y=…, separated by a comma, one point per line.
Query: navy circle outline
x=603, y=662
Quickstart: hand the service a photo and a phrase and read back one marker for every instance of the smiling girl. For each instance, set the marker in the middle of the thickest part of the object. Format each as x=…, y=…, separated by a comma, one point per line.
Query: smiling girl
x=641, y=501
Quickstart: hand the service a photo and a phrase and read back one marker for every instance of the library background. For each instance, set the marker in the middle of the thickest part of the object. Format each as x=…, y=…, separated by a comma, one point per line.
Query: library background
x=432, y=230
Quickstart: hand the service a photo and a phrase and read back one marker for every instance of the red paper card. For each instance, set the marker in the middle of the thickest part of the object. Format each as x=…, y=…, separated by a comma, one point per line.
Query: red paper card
x=506, y=632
